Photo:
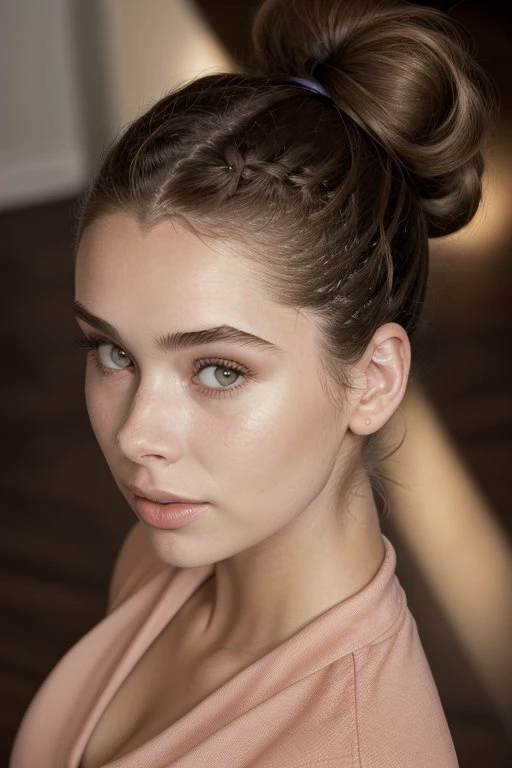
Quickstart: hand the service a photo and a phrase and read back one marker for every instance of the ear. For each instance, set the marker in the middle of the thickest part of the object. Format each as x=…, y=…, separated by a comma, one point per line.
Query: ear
x=380, y=379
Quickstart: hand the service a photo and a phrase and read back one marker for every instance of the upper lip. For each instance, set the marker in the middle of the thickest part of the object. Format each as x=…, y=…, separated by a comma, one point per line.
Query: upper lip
x=154, y=494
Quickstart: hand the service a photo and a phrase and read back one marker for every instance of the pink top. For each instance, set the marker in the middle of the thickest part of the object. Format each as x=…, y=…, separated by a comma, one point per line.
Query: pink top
x=352, y=689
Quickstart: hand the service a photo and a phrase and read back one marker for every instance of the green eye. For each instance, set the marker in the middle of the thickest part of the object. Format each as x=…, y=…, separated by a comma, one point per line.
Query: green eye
x=218, y=374
x=218, y=377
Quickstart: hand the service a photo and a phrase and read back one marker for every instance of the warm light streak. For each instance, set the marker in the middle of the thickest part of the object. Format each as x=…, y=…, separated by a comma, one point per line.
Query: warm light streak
x=457, y=543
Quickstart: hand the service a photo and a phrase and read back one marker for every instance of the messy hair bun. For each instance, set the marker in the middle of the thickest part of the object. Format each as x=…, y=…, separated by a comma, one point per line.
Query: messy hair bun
x=403, y=73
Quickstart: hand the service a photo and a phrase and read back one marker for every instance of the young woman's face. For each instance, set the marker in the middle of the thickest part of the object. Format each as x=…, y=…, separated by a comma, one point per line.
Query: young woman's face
x=242, y=423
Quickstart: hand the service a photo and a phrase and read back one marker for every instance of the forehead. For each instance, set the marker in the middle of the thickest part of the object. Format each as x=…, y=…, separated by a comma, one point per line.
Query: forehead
x=170, y=279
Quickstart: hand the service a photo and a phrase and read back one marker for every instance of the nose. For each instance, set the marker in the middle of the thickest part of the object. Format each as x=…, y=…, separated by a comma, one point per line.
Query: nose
x=150, y=432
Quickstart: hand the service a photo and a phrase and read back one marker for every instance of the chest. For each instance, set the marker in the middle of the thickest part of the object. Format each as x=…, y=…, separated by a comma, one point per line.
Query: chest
x=173, y=676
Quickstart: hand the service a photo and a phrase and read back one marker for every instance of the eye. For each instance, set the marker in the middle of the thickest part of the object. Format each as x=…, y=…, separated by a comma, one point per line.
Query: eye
x=111, y=356
x=220, y=374
x=107, y=356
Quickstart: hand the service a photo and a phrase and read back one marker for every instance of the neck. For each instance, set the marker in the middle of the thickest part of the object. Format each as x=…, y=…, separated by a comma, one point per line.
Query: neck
x=261, y=597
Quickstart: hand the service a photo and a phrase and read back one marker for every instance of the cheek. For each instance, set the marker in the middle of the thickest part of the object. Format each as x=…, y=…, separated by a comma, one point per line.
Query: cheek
x=283, y=443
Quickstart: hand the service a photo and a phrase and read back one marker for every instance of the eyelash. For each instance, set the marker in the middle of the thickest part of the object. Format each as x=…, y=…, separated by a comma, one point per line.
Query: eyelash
x=92, y=344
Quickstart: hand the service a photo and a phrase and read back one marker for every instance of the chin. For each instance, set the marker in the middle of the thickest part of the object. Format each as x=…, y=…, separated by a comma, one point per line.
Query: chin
x=174, y=549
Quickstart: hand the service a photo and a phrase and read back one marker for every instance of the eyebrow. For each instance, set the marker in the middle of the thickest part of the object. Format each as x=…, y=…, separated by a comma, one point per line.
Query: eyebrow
x=171, y=342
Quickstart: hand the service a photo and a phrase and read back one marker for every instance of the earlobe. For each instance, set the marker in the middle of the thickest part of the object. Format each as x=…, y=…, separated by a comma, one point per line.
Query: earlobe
x=385, y=365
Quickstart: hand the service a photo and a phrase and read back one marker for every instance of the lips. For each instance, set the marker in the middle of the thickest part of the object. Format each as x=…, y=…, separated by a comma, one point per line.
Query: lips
x=163, y=510
x=161, y=497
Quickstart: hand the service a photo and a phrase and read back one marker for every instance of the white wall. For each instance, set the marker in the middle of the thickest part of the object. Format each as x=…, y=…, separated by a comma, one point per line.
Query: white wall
x=152, y=47
x=41, y=147
x=51, y=118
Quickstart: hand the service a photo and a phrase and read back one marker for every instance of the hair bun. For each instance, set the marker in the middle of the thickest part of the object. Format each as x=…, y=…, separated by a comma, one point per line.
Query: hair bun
x=402, y=72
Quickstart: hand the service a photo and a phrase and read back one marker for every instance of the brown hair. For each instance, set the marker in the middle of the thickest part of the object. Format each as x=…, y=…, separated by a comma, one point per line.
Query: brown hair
x=334, y=197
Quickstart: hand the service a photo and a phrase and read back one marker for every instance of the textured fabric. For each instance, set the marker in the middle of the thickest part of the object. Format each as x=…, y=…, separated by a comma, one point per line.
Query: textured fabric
x=352, y=689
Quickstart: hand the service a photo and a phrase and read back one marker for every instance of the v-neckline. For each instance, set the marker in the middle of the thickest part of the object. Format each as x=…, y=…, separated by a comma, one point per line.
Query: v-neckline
x=372, y=612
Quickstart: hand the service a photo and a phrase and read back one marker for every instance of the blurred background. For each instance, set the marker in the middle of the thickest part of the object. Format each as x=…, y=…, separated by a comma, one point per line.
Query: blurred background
x=71, y=74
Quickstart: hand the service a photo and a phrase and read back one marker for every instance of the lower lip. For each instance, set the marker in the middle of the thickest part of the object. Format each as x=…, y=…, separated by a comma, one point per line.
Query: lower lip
x=172, y=515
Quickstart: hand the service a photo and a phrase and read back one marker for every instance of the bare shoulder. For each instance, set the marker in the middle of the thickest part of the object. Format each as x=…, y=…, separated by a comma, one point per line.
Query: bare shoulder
x=135, y=565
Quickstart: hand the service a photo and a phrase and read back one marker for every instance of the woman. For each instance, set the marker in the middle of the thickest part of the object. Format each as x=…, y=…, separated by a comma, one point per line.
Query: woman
x=251, y=263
